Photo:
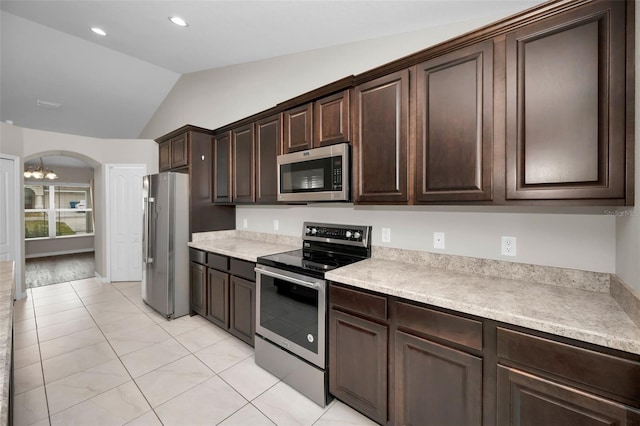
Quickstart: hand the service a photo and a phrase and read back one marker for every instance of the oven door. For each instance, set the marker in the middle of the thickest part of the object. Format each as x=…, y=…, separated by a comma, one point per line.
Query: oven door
x=291, y=312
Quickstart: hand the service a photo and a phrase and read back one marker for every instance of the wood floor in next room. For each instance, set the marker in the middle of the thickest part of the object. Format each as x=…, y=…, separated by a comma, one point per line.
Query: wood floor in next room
x=89, y=353
x=40, y=271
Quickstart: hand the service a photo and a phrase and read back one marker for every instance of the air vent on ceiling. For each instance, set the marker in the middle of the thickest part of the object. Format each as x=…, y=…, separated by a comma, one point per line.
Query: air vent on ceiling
x=48, y=104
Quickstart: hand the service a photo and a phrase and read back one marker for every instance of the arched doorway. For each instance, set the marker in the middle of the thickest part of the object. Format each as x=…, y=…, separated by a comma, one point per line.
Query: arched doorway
x=59, y=219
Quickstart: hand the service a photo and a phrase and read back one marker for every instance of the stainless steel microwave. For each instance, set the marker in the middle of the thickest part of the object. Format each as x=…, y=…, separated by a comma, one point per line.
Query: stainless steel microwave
x=318, y=174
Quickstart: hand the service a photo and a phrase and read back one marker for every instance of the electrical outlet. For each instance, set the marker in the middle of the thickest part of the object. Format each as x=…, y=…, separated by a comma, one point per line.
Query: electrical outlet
x=438, y=240
x=508, y=246
x=386, y=235
x=276, y=224
x=245, y=223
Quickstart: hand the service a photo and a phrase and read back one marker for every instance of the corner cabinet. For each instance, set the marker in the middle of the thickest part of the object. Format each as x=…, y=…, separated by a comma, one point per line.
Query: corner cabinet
x=565, y=103
x=381, y=140
x=454, y=126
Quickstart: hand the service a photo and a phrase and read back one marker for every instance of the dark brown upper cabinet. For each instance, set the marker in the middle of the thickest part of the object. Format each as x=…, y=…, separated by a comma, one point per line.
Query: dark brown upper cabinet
x=315, y=124
x=298, y=128
x=174, y=153
x=331, y=119
x=222, y=168
x=565, y=103
x=188, y=150
x=243, y=172
x=454, y=128
x=380, y=140
x=268, y=147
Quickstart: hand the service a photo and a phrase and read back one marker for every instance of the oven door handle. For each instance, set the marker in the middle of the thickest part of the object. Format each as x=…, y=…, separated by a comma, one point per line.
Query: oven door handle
x=287, y=277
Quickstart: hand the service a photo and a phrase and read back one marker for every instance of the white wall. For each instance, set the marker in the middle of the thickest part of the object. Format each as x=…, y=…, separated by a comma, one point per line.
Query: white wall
x=27, y=143
x=628, y=220
x=214, y=98
x=578, y=241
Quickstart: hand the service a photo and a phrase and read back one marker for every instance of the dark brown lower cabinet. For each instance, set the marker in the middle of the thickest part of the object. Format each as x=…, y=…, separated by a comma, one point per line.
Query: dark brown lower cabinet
x=242, y=295
x=358, y=363
x=198, y=279
x=528, y=400
x=218, y=297
x=435, y=384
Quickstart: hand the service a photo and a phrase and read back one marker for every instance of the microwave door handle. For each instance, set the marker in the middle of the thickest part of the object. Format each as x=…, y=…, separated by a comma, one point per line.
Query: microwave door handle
x=286, y=277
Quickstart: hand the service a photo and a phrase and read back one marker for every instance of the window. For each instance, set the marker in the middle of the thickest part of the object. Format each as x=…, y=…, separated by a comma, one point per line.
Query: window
x=57, y=210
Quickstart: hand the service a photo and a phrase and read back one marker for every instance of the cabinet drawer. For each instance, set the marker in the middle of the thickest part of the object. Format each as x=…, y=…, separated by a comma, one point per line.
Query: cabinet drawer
x=357, y=301
x=243, y=269
x=198, y=256
x=463, y=331
x=217, y=261
x=607, y=375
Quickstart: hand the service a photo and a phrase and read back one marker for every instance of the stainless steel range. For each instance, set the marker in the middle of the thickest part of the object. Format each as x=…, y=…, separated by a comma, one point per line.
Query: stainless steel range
x=291, y=305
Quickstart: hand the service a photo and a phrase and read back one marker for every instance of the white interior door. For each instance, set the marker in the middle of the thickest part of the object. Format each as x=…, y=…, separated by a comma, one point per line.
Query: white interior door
x=125, y=222
x=9, y=223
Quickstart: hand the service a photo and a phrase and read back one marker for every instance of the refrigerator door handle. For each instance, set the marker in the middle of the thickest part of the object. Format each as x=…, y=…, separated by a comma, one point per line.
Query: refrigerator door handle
x=150, y=243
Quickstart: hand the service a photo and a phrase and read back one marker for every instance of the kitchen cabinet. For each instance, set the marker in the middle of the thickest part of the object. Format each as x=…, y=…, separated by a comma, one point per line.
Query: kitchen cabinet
x=454, y=125
x=358, y=347
x=565, y=103
x=268, y=147
x=218, y=297
x=541, y=381
x=222, y=178
x=243, y=170
x=198, y=282
x=189, y=150
x=298, y=128
x=174, y=153
x=223, y=291
x=380, y=140
x=325, y=121
x=436, y=383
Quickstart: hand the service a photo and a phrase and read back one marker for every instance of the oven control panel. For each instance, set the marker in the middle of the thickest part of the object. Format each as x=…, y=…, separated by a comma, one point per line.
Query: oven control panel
x=340, y=234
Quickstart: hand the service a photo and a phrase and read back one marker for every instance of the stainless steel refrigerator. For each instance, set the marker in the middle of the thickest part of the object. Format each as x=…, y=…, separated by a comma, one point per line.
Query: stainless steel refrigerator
x=165, y=275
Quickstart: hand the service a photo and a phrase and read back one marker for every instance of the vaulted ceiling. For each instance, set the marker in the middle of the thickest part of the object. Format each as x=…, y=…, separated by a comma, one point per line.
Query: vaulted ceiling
x=57, y=75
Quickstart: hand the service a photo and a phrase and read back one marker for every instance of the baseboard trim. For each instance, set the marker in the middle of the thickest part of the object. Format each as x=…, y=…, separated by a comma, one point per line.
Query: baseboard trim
x=58, y=253
x=102, y=279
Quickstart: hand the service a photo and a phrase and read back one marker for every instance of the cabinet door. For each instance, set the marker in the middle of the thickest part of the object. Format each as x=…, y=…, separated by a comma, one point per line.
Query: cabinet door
x=198, y=282
x=298, y=128
x=381, y=124
x=222, y=168
x=331, y=120
x=242, y=304
x=164, y=154
x=218, y=298
x=527, y=400
x=436, y=385
x=180, y=151
x=243, y=165
x=454, y=125
x=358, y=363
x=268, y=147
x=566, y=105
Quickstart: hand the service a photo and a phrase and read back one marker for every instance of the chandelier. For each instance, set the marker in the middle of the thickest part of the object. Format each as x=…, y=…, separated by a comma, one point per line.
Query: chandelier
x=40, y=172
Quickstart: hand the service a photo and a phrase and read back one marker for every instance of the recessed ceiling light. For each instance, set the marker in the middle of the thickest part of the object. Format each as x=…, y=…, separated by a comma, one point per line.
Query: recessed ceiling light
x=98, y=31
x=178, y=21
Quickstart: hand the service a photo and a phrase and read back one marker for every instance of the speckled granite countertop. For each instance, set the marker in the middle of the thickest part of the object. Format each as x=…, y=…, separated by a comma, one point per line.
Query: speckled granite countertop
x=241, y=248
x=589, y=316
x=6, y=327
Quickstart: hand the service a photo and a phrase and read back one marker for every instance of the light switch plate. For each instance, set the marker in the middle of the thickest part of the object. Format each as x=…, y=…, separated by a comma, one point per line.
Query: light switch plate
x=276, y=224
x=245, y=223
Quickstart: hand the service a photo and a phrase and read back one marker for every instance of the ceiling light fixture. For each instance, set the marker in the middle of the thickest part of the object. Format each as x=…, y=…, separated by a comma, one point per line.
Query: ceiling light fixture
x=178, y=21
x=99, y=31
x=40, y=172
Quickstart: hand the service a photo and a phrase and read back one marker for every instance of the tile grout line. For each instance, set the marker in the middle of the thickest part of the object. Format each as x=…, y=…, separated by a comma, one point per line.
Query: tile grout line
x=44, y=385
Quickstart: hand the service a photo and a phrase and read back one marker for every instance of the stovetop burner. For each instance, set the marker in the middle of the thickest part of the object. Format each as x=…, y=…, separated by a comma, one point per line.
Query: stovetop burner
x=325, y=247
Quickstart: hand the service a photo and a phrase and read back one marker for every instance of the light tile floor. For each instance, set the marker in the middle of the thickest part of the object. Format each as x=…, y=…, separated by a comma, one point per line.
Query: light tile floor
x=89, y=353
